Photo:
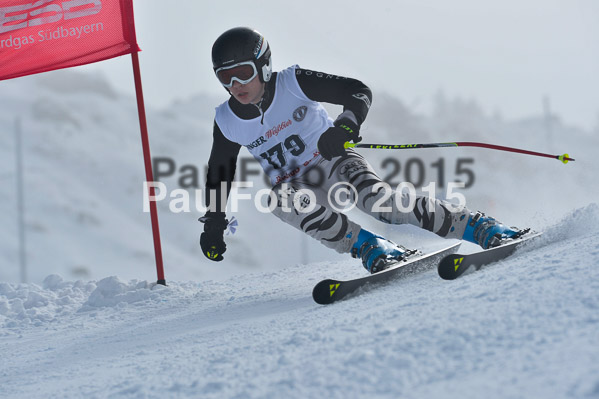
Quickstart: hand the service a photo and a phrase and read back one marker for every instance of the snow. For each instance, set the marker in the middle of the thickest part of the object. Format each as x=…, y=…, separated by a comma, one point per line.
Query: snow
x=527, y=327
x=91, y=322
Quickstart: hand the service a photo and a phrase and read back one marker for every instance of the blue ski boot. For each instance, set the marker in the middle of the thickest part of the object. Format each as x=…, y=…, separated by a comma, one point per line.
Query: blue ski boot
x=377, y=253
x=488, y=232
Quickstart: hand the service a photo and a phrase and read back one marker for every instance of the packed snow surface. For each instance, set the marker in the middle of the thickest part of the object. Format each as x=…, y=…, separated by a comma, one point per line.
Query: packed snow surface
x=527, y=327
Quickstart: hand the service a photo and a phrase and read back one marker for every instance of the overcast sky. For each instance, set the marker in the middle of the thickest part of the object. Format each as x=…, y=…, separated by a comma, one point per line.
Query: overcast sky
x=505, y=54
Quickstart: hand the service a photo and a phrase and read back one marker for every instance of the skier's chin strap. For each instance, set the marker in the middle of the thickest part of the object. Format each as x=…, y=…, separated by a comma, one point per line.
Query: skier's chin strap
x=263, y=100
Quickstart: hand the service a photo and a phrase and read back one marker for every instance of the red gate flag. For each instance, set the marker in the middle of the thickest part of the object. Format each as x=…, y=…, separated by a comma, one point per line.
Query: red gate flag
x=44, y=35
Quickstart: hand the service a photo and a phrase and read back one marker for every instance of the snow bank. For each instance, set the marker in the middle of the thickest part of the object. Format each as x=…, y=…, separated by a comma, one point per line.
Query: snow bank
x=23, y=304
x=30, y=304
x=113, y=292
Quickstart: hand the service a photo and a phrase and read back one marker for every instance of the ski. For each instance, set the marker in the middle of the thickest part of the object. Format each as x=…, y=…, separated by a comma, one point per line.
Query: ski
x=454, y=265
x=329, y=291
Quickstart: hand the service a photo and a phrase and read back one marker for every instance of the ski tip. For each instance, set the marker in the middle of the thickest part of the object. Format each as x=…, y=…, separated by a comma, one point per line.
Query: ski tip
x=453, y=266
x=450, y=267
x=324, y=292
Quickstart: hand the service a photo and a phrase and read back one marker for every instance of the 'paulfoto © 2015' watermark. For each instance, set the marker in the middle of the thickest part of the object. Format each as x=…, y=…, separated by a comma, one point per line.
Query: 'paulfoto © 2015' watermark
x=341, y=197
x=393, y=171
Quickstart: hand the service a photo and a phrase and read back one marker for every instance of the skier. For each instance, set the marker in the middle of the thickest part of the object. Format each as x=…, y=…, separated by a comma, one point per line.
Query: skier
x=279, y=118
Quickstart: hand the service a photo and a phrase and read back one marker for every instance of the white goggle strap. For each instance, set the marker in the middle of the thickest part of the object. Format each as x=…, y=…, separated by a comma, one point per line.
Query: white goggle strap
x=267, y=70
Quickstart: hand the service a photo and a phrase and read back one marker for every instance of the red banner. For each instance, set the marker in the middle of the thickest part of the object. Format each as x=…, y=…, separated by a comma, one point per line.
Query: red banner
x=44, y=35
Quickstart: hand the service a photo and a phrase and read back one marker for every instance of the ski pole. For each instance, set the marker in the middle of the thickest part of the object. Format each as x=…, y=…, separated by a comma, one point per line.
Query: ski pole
x=564, y=158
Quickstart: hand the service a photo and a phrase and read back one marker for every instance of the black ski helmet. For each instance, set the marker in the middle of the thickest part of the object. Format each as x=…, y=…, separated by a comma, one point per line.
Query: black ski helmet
x=243, y=44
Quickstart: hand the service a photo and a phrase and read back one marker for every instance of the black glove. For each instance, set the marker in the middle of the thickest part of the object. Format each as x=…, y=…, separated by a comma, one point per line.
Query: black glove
x=212, y=239
x=331, y=143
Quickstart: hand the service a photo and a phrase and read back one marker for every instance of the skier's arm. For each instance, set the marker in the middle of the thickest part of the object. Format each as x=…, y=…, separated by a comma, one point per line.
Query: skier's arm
x=221, y=168
x=354, y=95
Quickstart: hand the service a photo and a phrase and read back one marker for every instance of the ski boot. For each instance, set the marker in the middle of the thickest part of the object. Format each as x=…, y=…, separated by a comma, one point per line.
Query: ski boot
x=488, y=232
x=377, y=253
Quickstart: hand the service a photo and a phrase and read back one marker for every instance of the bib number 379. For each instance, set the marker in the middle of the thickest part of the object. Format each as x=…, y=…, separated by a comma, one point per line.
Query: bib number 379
x=277, y=155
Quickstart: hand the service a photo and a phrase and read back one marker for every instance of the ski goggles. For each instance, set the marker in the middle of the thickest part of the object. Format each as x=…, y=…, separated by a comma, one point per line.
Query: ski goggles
x=242, y=72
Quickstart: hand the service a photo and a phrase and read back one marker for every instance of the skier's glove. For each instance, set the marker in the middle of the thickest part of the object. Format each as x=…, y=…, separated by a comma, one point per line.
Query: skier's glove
x=212, y=239
x=331, y=143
